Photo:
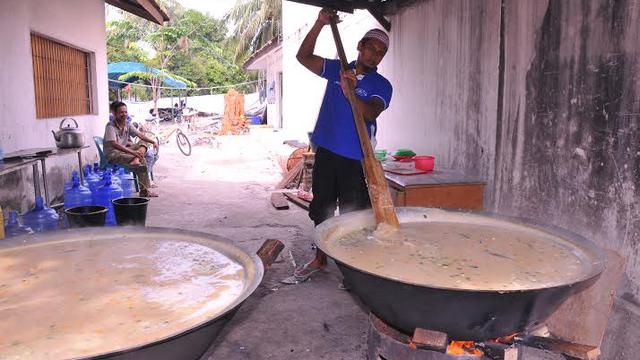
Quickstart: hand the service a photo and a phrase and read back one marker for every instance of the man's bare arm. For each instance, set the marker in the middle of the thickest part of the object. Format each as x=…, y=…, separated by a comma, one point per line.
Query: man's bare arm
x=125, y=149
x=305, y=55
x=370, y=109
x=145, y=138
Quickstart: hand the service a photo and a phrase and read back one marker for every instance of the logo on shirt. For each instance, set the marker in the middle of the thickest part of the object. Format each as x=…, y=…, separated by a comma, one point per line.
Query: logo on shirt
x=361, y=92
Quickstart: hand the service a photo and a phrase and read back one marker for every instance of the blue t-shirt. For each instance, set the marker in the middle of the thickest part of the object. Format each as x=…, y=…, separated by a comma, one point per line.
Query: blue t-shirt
x=335, y=129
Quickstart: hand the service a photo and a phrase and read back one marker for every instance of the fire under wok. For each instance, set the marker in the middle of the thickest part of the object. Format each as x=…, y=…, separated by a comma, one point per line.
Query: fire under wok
x=472, y=276
x=119, y=293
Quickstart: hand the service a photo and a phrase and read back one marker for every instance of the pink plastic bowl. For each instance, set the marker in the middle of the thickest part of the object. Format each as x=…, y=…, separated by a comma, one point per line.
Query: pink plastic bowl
x=424, y=162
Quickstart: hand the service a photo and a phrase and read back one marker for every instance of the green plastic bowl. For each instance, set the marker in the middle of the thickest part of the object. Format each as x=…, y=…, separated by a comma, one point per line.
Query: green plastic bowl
x=405, y=152
x=380, y=154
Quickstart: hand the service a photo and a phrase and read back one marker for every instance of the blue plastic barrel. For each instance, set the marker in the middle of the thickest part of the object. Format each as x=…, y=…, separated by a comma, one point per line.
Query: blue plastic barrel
x=92, y=179
x=77, y=195
x=96, y=169
x=69, y=184
x=41, y=218
x=115, y=179
x=103, y=196
x=14, y=227
x=126, y=183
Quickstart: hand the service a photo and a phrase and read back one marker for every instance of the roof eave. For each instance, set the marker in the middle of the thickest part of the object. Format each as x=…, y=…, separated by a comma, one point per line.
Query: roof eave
x=263, y=51
x=146, y=9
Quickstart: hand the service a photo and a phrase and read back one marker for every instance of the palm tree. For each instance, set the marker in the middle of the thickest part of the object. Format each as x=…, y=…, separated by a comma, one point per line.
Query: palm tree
x=256, y=22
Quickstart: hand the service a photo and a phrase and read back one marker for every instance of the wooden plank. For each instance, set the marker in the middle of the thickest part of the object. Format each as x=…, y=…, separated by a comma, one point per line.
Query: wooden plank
x=153, y=11
x=381, y=201
x=296, y=200
x=498, y=351
x=430, y=339
x=137, y=9
x=291, y=175
x=269, y=251
x=278, y=201
x=447, y=196
x=578, y=351
x=583, y=318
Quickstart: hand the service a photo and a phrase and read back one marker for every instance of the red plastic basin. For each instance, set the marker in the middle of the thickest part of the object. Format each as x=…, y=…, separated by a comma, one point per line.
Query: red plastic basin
x=424, y=162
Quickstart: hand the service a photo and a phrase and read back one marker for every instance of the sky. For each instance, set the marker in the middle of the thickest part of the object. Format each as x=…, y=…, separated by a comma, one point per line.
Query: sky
x=215, y=8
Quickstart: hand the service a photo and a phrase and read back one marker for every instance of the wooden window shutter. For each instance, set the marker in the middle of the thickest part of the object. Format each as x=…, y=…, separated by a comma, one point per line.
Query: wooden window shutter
x=61, y=79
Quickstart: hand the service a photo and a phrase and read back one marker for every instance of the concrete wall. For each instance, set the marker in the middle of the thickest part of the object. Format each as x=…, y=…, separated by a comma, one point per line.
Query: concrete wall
x=79, y=23
x=561, y=146
x=303, y=90
x=273, y=71
x=569, y=140
x=443, y=64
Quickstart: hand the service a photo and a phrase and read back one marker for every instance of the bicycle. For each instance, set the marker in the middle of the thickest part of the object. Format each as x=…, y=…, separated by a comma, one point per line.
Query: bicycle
x=162, y=134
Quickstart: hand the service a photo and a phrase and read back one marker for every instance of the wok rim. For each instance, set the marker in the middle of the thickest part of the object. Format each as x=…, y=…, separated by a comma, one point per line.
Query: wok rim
x=590, y=250
x=250, y=262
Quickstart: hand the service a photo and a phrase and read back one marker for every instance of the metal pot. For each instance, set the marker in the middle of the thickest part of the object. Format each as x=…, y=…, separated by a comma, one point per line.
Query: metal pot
x=189, y=342
x=463, y=314
x=68, y=136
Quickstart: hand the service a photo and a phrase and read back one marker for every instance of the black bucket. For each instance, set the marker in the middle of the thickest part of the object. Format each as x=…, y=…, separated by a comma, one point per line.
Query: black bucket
x=130, y=211
x=86, y=216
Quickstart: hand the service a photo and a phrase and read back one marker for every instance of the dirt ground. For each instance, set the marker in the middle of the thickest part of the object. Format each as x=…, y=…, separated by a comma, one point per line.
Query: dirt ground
x=224, y=189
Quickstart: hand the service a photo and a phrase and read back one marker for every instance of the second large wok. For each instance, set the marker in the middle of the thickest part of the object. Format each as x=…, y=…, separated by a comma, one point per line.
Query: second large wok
x=462, y=314
x=188, y=342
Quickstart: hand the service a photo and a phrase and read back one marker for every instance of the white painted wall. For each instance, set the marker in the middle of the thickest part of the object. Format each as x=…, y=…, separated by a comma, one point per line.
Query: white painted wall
x=270, y=64
x=444, y=61
x=303, y=90
x=274, y=67
x=79, y=23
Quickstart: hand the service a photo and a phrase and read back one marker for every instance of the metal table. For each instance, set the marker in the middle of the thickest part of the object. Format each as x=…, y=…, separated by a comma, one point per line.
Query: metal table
x=13, y=165
x=59, y=152
x=27, y=157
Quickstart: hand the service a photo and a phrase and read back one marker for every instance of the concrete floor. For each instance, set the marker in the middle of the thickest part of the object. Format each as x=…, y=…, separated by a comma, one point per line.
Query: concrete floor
x=225, y=190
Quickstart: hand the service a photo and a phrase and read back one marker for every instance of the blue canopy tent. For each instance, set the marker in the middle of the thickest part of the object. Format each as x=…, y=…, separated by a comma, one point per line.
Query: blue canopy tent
x=115, y=70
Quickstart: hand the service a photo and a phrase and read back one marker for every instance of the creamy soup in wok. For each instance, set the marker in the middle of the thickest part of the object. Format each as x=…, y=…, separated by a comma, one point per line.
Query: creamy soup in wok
x=73, y=299
x=463, y=256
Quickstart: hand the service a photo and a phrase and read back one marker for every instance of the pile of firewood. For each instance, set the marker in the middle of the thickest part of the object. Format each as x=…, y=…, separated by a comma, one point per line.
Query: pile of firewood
x=234, y=122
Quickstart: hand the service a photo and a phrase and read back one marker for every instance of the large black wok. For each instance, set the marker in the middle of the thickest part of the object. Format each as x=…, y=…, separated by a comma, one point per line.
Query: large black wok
x=463, y=314
x=189, y=343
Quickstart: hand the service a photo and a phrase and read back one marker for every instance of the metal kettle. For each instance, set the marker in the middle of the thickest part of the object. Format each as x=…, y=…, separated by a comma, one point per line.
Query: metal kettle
x=68, y=136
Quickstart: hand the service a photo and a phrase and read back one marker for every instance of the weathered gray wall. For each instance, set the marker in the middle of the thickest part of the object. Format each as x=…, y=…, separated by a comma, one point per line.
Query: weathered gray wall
x=568, y=149
x=443, y=64
x=569, y=146
x=563, y=148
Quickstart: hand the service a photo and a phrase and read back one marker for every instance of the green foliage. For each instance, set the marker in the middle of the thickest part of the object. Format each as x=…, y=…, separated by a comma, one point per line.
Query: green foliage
x=122, y=38
x=256, y=22
x=191, y=47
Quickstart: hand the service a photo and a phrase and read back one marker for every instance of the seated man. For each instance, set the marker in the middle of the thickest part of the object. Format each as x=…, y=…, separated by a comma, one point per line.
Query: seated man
x=118, y=150
x=152, y=151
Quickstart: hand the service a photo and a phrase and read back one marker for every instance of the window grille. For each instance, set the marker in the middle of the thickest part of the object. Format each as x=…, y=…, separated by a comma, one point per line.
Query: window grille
x=61, y=79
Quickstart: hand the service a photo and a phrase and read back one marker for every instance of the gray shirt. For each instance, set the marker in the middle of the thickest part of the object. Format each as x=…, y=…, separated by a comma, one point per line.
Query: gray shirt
x=111, y=133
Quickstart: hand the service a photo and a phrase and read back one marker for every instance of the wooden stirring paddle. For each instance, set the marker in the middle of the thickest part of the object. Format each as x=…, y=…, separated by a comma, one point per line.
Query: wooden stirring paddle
x=376, y=183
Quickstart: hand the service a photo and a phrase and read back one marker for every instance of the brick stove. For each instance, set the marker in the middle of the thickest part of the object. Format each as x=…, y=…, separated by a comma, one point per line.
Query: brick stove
x=386, y=343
